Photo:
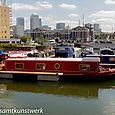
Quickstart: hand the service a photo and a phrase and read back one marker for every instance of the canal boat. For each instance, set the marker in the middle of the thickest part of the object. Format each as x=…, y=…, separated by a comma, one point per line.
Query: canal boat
x=64, y=51
x=106, y=51
x=67, y=51
x=3, y=55
x=87, y=51
x=107, y=57
x=55, y=66
x=15, y=54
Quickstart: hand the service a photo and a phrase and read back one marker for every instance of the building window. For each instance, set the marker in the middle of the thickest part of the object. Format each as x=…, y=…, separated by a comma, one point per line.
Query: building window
x=4, y=26
x=84, y=67
x=40, y=66
x=19, y=65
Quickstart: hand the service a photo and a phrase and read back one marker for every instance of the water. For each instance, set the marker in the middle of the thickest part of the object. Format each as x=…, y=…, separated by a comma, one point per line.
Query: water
x=60, y=98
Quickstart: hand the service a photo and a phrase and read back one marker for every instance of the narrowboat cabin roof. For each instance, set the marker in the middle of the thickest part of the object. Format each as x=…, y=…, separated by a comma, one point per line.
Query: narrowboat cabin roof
x=64, y=46
x=98, y=55
x=106, y=51
x=93, y=59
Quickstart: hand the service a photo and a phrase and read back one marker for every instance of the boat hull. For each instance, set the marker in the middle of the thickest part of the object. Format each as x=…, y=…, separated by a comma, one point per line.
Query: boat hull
x=70, y=67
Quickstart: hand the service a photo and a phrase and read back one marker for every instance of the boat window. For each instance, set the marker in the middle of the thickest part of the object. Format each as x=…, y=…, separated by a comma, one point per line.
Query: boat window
x=84, y=67
x=112, y=59
x=61, y=55
x=40, y=66
x=19, y=65
x=57, y=66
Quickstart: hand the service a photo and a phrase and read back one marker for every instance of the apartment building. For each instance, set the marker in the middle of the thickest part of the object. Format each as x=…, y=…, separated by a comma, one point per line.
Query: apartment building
x=4, y=22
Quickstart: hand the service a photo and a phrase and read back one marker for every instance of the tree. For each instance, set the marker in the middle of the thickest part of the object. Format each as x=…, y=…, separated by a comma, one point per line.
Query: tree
x=41, y=40
x=26, y=39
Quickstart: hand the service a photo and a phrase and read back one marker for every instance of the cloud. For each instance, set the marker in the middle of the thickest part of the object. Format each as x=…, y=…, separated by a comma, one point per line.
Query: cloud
x=73, y=15
x=104, y=14
x=52, y=20
x=71, y=23
x=104, y=18
x=68, y=6
x=109, y=2
x=34, y=6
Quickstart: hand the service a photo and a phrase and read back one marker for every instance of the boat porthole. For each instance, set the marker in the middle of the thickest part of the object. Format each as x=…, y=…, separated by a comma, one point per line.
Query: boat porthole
x=57, y=66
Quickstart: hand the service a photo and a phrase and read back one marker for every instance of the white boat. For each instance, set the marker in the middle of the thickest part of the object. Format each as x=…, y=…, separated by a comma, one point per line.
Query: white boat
x=21, y=54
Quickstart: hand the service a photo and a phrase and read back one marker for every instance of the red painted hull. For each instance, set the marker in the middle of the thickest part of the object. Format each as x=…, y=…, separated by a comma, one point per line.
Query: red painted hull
x=69, y=67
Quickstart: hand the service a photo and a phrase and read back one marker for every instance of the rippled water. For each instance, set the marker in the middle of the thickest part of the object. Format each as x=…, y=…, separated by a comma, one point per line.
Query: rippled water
x=60, y=98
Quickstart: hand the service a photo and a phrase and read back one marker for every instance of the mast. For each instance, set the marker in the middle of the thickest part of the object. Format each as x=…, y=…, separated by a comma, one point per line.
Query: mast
x=83, y=20
x=79, y=22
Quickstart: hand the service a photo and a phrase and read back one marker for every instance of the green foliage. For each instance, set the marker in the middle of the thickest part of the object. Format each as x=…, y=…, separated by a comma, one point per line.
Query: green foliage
x=26, y=39
x=41, y=40
x=8, y=44
x=5, y=46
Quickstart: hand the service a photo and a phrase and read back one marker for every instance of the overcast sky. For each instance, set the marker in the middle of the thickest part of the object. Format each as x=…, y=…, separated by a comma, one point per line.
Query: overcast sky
x=68, y=11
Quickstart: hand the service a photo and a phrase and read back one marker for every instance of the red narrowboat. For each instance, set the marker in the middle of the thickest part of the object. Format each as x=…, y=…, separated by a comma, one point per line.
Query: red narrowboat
x=66, y=66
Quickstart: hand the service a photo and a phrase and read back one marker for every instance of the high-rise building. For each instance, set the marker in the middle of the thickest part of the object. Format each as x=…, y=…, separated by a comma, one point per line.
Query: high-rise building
x=96, y=28
x=20, y=26
x=60, y=26
x=4, y=20
x=20, y=21
x=40, y=23
x=19, y=30
x=35, y=22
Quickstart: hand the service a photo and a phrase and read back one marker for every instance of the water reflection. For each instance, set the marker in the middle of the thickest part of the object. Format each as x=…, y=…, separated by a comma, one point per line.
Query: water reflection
x=56, y=88
x=4, y=97
x=59, y=98
x=2, y=90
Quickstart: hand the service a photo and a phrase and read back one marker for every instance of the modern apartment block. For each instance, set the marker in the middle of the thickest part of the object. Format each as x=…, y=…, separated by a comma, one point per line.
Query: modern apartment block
x=4, y=22
x=20, y=26
x=20, y=21
x=60, y=26
x=35, y=22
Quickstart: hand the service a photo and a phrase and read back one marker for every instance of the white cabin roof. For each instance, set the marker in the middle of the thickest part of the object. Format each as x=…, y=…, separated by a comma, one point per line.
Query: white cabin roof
x=57, y=59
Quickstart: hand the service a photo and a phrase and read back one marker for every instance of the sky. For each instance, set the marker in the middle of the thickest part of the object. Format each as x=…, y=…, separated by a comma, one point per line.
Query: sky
x=68, y=11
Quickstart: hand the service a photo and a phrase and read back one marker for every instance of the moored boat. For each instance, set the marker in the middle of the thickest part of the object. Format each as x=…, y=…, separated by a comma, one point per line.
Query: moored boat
x=106, y=51
x=67, y=51
x=107, y=57
x=15, y=54
x=56, y=66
